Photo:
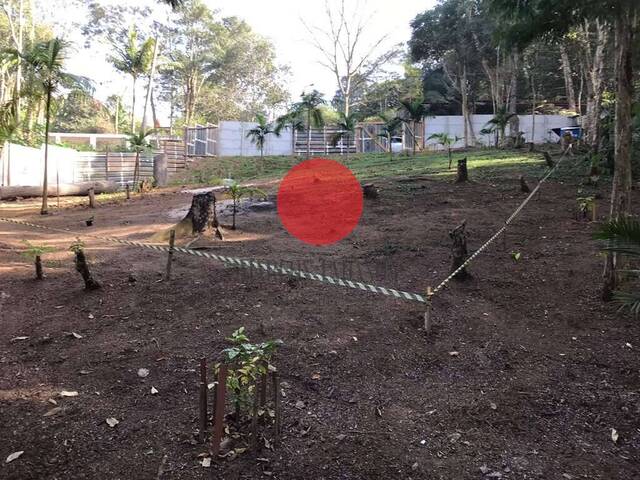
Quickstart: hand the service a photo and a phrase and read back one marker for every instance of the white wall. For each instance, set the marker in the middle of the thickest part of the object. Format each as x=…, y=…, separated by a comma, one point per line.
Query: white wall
x=233, y=141
x=454, y=126
x=24, y=166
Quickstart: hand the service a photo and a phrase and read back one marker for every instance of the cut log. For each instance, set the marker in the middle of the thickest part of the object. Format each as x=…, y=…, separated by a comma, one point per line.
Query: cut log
x=463, y=174
x=523, y=185
x=369, y=190
x=66, y=189
x=459, y=250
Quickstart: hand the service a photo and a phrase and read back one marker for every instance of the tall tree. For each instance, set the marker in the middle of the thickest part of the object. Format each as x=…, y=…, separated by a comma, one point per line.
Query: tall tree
x=343, y=51
x=134, y=58
x=309, y=108
x=524, y=21
x=46, y=60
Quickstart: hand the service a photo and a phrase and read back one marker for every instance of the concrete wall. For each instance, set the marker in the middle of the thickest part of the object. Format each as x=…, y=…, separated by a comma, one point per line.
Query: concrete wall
x=454, y=126
x=233, y=141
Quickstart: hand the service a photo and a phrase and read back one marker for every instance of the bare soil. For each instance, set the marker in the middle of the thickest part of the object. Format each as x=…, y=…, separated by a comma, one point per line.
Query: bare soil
x=524, y=376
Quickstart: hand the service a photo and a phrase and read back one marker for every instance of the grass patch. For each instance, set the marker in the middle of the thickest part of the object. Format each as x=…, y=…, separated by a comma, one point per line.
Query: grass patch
x=482, y=164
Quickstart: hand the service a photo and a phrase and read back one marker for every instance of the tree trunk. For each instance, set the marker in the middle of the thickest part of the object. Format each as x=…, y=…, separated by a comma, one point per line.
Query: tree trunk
x=308, y=134
x=133, y=106
x=568, y=78
x=463, y=174
x=594, y=64
x=514, y=122
x=147, y=99
x=459, y=249
x=81, y=188
x=621, y=188
x=465, y=104
x=136, y=171
x=82, y=266
x=44, y=210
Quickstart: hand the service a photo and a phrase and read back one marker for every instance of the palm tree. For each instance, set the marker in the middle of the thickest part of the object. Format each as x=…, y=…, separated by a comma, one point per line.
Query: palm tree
x=622, y=237
x=139, y=143
x=259, y=133
x=46, y=60
x=389, y=130
x=292, y=121
x=498, y=124
x=346, y=129
x=446, y=141
x=413, y=112
x=308, y=107
x=133, y=59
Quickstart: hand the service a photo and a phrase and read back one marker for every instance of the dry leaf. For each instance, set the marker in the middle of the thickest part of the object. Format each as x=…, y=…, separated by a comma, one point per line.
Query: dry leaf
x=206, y=462
x=76, y=335
x=143, y=372
x=614, y=435
x=91, y=316
x=454, y=354
x=112, y=422
x=13, y=456
x=18, y=339
x=66, y=393
x=153, y=390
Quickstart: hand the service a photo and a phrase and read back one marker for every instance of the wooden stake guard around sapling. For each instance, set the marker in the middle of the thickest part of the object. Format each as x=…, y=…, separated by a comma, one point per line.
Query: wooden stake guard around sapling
x=34, y=253
x=459, y=249
x=82, y=266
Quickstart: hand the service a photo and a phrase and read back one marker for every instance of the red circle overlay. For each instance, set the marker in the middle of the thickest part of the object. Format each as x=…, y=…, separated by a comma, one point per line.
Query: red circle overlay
x=320, y=201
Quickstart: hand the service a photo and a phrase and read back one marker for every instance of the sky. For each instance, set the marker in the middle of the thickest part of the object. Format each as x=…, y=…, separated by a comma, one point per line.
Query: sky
x=281, y=21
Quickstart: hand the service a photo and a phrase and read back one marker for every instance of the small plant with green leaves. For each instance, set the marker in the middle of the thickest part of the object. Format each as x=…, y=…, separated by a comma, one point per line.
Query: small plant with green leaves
x=35, y=253
x=447, y=141
x=515, y=256
x=237, y=191
x=248, y=362
x=586, y=205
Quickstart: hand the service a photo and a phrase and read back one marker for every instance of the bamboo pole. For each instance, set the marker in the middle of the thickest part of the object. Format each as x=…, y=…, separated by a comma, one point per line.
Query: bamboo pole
x=172, y=240
x=203, y=398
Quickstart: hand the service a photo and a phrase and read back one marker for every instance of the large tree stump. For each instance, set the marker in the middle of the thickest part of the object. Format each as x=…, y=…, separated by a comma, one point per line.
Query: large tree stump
x=463, y=174
x=459, y=250
x=200, y=219
x=82, y=266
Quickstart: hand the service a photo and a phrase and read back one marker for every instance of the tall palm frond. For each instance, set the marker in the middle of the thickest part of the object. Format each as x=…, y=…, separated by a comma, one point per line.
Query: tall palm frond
x=346, y=129
x=412, y=112
x=622, y=236
x=258, y=134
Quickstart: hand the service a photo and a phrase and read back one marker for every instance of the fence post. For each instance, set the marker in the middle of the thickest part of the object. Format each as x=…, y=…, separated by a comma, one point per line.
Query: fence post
x=92, y=198
x=172, y=240
x=427, y=312
x=128, y=189
x=218, y=414
x=203, y=399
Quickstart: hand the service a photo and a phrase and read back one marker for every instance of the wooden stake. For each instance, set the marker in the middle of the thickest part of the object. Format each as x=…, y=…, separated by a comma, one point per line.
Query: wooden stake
x=92, y=198
x=128, y=189
x=427, y=312
x=218, y=414
x=276, y=407
x=203, y=399
x=254, y=419
x=172, y=240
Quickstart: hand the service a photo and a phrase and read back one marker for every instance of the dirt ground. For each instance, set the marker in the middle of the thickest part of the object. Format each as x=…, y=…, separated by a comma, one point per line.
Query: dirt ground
x=543, y=371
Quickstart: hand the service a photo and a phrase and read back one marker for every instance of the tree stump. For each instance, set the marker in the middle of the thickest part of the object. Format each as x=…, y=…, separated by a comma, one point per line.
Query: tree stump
x=369, y=190
x=530, y=147
x=200, y=218
x=547, y=159
x=38, y=263
x=459, y=250
x=82, y=266
x=523, y=185
x=463, y=174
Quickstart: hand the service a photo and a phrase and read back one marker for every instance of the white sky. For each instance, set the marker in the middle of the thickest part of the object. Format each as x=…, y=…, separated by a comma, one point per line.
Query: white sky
x=278, y=20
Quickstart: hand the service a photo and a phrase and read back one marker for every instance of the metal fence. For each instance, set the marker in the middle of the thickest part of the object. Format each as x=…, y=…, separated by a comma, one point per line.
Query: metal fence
x=201, y=140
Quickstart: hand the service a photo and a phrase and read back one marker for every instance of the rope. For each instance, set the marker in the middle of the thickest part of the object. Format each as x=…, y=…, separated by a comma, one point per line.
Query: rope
x=245, y=263
x=495, y=235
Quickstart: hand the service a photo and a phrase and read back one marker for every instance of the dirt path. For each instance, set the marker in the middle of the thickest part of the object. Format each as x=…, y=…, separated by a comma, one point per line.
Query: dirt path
x=543, y=370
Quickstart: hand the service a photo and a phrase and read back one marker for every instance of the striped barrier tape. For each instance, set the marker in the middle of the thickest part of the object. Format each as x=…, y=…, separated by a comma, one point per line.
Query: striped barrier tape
x=244, y=263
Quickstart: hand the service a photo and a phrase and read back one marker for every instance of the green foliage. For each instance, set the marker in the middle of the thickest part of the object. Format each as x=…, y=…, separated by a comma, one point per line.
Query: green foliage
x=258, y=134
x=248, y=362
x=32, y=251
x=132, y=57
x=622, y=236
x=77, y=246
x=139, y=142
x=346, y=128
x=515, y=256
